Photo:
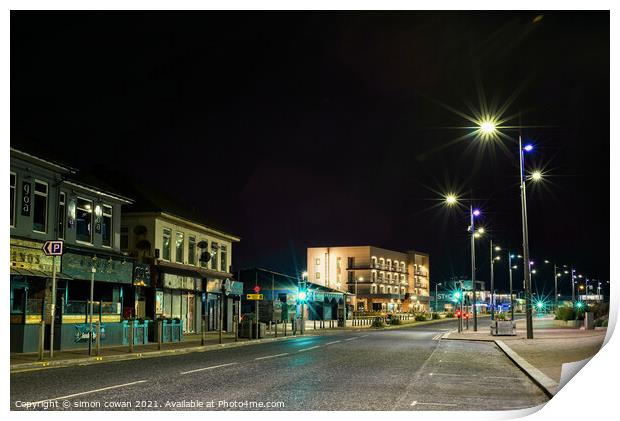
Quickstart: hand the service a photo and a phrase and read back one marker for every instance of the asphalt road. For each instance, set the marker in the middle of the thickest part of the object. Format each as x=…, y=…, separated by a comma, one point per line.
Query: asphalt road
x=401, y=369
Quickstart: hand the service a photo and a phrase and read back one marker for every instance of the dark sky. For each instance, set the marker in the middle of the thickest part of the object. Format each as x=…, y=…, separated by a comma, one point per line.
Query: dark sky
x=307, y=129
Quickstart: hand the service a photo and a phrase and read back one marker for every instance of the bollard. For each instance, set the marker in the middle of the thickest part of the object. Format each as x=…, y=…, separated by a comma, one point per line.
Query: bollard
x=314, y=324
x=42, y=339
x=97, y=337
x=202, y=330
x=130, y=334
x=159, y=333
x=285, y=328
x=276, y=330
x=236, y=328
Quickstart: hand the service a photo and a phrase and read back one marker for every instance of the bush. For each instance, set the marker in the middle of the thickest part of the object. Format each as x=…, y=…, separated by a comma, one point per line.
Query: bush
x=378, y=322
x=500, y=316
x=435, y=316
x=396, y=321
x=565, y=313
x=449, y=315
x=420, y=318
x=605, y=323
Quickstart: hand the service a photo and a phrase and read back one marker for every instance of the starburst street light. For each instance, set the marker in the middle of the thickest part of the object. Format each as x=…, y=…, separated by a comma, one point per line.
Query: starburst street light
x=488, y=128
x=451, y=199
x=536, y=176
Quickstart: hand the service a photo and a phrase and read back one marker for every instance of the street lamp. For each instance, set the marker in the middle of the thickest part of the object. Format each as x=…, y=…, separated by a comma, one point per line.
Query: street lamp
x=436, y=285
x=452, y=200
x=486, y=130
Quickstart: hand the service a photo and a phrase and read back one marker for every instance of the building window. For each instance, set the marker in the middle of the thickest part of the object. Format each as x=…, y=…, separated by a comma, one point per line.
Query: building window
x=389, y=264
x=214, y=249
x=179, y=246
x=373, y=289
x=203, y=264
x=39, y=220
x=223, y=256
x=124, y=238
x=61, y=214
x=373, y=262
x=106, y=226
x=317, y=262
x=402, y=267
x=374, y=276
x=317, y=275
x=84, y=221
x=13, y=187
x=351, y=276
x=166, y=244
x=191, y=250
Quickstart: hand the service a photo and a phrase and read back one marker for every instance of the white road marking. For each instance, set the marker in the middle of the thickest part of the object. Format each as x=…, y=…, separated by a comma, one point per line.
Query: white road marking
x=351, y=339
x=363, y=336
x=308, y=349
x=207, y=368
x=90, y=391
x=414, y=403
x=271, y=356
x=332, y=342
x=455, y=375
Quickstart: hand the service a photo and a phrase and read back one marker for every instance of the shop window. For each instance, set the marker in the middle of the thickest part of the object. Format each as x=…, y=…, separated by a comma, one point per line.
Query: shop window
x=84, y=221
x=166, y=244
x=179, y=246
x=203, y=264
x=223, y=257
x=39, y=220
x=191, y=250
x=106, y=226
x=61, y=214
x=13, y=187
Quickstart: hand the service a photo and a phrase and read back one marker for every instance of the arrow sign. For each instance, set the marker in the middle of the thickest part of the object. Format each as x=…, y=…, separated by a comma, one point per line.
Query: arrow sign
x=53, y=248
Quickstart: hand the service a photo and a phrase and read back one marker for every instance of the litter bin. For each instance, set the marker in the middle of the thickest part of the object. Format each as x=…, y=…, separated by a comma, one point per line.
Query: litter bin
x=247, y=329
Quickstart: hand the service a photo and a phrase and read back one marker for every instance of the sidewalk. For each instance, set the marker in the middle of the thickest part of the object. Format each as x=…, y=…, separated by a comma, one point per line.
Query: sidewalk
x=190, y=343
x=552, y=346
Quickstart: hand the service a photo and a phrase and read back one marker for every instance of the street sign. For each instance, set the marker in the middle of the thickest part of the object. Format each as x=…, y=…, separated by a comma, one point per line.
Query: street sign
x=256, y=289
x=257, y=297
x=53, y=248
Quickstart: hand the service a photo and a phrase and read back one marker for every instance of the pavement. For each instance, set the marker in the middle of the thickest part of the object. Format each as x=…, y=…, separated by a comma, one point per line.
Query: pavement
x=543, y=357
x=405, y=368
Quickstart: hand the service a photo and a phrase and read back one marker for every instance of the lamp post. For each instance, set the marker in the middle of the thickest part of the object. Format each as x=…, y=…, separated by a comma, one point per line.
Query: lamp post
x=451, y=200
x=488, y=130
x=436, y=285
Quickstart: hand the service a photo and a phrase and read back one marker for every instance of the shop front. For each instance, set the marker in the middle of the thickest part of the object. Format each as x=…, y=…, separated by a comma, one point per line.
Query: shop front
x=179, y=298
x=30, y=287
x=222, y=301
x=112, y=279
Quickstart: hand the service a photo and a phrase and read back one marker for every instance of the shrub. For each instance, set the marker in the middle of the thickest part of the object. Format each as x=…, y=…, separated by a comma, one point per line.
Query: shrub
x=605, y=323
x=500, y=316
x=395, y=321
x=449, y=315
x=378, y=322
x=565, y=313
x=420, y=318
x=435, y=316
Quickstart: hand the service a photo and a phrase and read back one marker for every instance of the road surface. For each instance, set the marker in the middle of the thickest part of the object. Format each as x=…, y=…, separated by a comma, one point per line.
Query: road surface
x=409, y=368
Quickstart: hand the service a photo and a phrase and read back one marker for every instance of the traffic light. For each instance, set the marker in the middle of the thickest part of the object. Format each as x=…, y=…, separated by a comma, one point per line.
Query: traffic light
x=458, y=313
x=302, y=296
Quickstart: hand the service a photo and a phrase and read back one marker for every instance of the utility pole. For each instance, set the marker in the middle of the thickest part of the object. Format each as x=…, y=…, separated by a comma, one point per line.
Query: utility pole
x=555, y=285
x=53, y=307
x=572, y=281
x=512, y=306
x=473, y=266
x=436, y=285
x=526, y=250
x=492, y=281
x=92, y=293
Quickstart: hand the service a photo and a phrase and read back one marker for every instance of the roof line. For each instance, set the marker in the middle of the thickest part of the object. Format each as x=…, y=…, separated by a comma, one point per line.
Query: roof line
x=92, y=189
x=48, y=162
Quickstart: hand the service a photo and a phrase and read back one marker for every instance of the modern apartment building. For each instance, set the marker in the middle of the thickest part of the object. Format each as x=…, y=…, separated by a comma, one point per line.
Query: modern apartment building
x=380, y=279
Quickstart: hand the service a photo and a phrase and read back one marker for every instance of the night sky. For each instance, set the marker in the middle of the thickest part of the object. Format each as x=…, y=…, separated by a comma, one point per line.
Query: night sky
x=309, y=129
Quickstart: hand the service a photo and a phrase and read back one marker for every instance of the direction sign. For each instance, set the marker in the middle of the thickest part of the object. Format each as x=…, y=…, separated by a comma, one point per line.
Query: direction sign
x=53, y=248
x=257, y=297
x=256, y=289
